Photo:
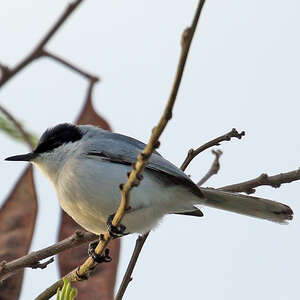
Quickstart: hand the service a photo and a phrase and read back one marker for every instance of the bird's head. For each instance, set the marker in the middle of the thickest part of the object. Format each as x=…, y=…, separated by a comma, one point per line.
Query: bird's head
x=54, y=147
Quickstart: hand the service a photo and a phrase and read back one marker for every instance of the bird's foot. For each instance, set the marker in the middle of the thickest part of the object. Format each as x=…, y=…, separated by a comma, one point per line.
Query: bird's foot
x=96, y=257
x=115, y=231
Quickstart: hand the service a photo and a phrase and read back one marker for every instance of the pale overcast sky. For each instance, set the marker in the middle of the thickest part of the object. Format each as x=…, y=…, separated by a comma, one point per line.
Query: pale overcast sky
x=243, y=72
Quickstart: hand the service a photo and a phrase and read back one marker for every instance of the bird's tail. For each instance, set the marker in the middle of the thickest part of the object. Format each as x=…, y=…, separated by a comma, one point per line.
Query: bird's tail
x=247, y=205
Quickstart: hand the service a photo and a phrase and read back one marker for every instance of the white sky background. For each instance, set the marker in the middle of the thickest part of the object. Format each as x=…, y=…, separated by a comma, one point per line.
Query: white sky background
x=243, y=72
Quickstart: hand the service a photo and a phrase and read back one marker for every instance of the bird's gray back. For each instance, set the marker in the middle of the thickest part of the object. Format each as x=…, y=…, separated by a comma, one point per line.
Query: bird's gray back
x=124, y=149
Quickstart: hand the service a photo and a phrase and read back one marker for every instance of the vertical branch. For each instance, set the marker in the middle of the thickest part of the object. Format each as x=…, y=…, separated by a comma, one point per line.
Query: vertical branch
x=186, y=41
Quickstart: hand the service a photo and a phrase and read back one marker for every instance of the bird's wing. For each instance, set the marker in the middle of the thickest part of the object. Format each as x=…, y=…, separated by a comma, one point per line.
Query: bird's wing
x=122, y=149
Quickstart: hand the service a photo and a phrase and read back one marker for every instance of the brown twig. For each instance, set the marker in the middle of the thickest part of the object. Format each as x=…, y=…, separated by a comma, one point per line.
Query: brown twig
x=9, y=268
x=69, y=65
x=274, y=181
x=214, y=169
x=215, y=142
x=4, y=70
x=38, y=265
x=136, y=172
x=186, y=39
x=25, y=135
x=192, y=154
x=127, y=277
x=37, y=51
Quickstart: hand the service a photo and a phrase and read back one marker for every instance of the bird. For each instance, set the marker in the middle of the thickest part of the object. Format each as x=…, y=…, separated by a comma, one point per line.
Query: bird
x=86, y=165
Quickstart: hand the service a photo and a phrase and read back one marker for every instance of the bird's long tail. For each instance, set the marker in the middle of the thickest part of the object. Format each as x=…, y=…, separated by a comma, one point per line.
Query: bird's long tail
x=247, y=205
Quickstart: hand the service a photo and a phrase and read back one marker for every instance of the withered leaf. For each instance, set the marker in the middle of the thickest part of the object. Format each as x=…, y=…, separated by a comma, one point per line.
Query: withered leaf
x=17, y=221
x=100, y=285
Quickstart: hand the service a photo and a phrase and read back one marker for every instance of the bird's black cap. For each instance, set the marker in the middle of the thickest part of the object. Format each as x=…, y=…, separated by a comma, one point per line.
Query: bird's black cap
x=51, y=139
x=58, y=135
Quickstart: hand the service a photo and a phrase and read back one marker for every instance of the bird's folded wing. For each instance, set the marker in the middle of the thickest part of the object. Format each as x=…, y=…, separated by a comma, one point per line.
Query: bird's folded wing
x=122, y=149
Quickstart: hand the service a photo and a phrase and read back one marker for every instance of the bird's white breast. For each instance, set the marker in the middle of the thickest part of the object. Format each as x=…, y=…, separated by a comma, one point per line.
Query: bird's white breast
x=88, y=190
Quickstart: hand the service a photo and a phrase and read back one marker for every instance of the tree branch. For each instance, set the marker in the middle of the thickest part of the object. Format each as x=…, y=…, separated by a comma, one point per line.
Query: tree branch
x=38, y=265
x=127, y=277
x=274, y=181
x=214, y=169
x=215, y=142
x=142, y=160
x=8, y=73
x=8, y=269
x=69, y=65
x=4, y=70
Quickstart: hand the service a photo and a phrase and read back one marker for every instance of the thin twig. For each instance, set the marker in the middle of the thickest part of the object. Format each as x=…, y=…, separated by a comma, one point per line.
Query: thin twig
x=142, y=160
x=127, y=277
x=215, y=142
x=214, y=169
x=10, y=268
x=274, y=181
x=69, y=65
x=36, y=52
x=186, y=40
x=25, y=135
x=4, y=70
x=39, y=265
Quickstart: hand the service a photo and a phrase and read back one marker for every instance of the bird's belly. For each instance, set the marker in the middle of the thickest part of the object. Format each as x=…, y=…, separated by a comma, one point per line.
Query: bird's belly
x=90, y=197
x=84, y=217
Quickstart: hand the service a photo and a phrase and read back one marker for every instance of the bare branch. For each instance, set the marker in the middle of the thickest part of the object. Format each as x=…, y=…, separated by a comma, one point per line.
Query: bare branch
x=69, y=65
x=127, y=277
x=215, y=142
x=4, y=70
x=274, y=181
x=214, y=169
x=8, y=73
x=9, y=268
x=142, y=160
x=38, y=265
x=25, y=135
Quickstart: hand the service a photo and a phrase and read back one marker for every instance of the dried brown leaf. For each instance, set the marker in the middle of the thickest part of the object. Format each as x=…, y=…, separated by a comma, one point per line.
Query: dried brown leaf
x=17, y=221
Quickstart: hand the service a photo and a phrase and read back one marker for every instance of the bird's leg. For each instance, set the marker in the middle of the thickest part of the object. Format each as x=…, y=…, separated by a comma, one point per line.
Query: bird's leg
x=96, y=257
x=115, y=231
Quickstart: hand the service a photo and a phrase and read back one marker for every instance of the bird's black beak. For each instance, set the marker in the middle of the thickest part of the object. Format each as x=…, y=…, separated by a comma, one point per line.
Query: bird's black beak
x=22, y=157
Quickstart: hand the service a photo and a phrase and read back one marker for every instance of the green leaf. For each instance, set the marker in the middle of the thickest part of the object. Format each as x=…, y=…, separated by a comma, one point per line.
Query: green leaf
x=8, y=127
x=67, y=292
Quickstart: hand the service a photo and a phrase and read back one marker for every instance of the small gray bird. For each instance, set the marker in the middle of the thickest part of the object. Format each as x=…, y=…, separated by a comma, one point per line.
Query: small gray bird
x=87, y=164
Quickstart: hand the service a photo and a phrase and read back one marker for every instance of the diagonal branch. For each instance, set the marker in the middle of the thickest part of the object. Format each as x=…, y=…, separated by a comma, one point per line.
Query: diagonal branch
x=215, y=142
x=142, y=160
x=39, y=265
x=8, y=269
x=4, y=70
x=214, y=169
x=274, y=181
x=69, y=65
x=127, y=277
x=8, y=73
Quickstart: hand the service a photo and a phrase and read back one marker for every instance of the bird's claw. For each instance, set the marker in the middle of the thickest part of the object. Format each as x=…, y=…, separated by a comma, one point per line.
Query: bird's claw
x=115, y=231
x=96, y=257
